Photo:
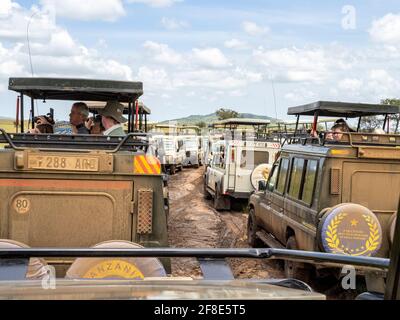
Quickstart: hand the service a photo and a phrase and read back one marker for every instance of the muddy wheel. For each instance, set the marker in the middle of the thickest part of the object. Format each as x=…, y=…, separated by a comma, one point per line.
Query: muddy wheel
x=207, y=195
x=221, y=202
x=197, y=166
x=295, y=270
x=252, y=229
x=173, y=169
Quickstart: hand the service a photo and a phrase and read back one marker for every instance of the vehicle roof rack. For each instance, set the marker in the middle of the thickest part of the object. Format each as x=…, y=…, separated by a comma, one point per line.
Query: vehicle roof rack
x=77, y=89
x=242, y=121
x=77, y=143
x=343, y=109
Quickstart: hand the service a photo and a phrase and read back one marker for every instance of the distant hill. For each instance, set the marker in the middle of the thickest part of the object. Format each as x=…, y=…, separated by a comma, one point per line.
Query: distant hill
x=210, y=118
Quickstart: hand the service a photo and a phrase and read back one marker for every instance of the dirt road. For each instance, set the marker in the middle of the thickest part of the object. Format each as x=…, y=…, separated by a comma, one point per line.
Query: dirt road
x=194, y=223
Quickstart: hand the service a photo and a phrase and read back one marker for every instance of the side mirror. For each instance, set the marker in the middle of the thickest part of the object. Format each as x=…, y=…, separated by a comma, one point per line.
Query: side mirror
x=262, y=185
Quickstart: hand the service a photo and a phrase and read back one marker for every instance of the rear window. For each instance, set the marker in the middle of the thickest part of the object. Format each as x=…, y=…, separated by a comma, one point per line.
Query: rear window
x=250, y=159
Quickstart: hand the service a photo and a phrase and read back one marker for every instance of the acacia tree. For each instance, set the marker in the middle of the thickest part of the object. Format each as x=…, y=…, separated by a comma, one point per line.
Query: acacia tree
x=223, y=114
x=395, y=118
x=373, y=122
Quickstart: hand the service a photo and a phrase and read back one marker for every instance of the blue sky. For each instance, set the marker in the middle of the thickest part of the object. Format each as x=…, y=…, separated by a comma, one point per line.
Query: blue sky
x=196, y=56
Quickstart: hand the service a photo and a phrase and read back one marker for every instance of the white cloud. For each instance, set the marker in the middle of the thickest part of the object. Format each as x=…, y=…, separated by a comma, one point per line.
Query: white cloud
x=54, y=51
x=6, y=7
x=382, y=84
x=308, y=64
x=210, y=57
x=8, y=64
x=162, y=53
x=351, y=84
x=13, y=25
x=300, y=94
x=155, y=78
x=107, y=10
x=156, y=3
x=60, y=44
x=173, y=24
x=386, y=29
x=253, y=29
x=235, y=44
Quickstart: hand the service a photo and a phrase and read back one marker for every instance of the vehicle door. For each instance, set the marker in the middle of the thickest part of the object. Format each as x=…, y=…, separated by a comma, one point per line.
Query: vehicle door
x=274, y=200
x=300, y=208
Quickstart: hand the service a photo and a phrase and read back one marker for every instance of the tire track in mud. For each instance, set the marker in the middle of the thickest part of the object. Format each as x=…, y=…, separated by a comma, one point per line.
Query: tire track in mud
x=194, y=223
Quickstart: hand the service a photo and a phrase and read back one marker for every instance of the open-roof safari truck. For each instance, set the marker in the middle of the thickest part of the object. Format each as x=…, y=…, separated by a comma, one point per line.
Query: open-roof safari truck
x=335, y=192
x=239, y=160
x=80, y=190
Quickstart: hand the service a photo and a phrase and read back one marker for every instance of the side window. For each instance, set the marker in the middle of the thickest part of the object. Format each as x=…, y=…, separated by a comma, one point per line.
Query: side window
x=283, y=171
x=296, y=178
x=309, y=181
x=273, y=178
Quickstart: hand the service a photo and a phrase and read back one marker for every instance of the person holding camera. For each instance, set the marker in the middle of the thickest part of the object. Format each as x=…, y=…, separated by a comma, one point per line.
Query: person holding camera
x=43, y=124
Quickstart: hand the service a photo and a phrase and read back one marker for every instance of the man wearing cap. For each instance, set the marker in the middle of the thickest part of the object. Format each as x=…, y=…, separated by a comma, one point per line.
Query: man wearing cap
x=77, y=118
x=112, y=119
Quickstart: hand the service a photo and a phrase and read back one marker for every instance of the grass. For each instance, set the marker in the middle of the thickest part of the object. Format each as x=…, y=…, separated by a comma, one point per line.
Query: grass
x=8, y=125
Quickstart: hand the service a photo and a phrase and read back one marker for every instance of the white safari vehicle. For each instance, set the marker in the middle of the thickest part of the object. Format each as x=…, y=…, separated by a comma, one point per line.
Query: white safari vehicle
x=169, y=146
x=193, y=151
x=238, y=162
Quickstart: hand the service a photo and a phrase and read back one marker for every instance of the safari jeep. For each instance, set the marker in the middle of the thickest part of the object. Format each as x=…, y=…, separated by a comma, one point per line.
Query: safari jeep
x=170, y=151
x=193, y=150
x=229, y=174
x=76, y=191
x=122, y=270
x=332, y=195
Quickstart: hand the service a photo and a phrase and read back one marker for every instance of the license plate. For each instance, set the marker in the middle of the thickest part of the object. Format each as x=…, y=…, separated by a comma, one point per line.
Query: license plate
x=63, y=163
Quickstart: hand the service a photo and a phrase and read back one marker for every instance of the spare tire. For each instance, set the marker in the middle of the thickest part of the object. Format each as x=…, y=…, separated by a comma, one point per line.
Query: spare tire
x=350, y=229
x=261, y=172
x=116, y=268
x=37, y=268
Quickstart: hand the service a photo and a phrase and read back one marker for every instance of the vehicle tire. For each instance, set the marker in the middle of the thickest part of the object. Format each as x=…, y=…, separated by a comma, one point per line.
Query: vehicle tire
x=172, y=170
x=252, y=229
x=207, y=195
x=196, y=166
x=295, y=270
x=221, y=202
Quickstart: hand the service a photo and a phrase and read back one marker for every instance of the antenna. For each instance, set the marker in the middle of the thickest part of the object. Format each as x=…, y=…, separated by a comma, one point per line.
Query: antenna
x=29, y=49
x=273, y=92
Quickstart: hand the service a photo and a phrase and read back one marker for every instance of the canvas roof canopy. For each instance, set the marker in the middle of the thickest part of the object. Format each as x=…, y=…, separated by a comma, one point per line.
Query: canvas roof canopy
x=77, y=89
x=343, y=109
x=242, y=121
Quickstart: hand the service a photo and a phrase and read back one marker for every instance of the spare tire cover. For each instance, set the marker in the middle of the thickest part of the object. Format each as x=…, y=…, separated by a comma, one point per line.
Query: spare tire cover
x=350, y=229
x=261, y=172
x=116, y=268
x=37, y=268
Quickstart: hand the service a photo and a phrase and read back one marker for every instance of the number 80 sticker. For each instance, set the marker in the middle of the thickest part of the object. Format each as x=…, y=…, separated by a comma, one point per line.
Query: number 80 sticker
x=22, y=205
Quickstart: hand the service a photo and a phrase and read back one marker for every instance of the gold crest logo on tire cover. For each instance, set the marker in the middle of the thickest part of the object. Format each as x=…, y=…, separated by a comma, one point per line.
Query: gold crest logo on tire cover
x=346, y=234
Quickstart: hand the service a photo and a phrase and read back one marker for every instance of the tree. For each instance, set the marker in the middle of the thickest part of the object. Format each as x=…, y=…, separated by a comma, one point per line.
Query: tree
x=373, y=122
x=223, y=114
x=201, y=124
x=395, y=117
